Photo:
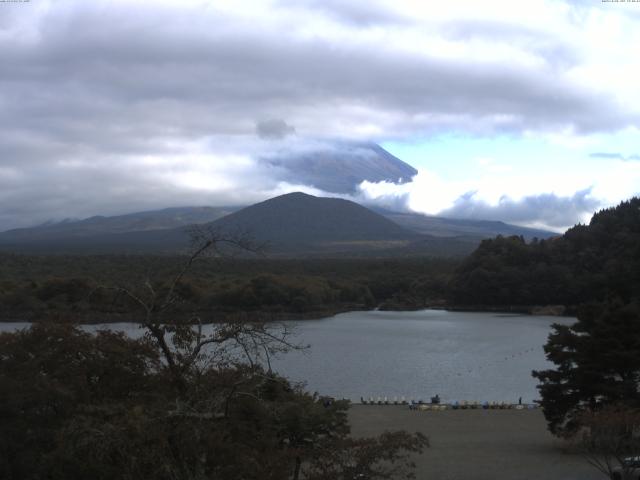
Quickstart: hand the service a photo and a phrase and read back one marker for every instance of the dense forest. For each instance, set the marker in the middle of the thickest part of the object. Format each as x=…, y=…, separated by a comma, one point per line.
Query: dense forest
x=588, y=263
x=78, y=288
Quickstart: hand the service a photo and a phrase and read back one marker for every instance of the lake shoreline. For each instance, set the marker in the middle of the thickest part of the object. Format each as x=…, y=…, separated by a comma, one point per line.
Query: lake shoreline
x=546, y=310
x=210, y=317
x=275, y=316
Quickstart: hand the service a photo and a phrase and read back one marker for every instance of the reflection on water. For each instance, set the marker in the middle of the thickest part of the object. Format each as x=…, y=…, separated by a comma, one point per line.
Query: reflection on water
x=458, y=355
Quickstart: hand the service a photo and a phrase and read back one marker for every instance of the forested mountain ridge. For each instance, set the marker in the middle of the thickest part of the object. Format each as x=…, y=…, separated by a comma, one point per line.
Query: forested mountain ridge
x=290, y=223
x=166, y=218
x=293, y=225
x=588, y=263
x=300, y=225
x=301, y=218
x=295, y=218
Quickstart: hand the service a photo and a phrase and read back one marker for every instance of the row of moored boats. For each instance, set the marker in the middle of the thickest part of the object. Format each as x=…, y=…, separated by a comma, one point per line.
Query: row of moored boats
x=435, y=404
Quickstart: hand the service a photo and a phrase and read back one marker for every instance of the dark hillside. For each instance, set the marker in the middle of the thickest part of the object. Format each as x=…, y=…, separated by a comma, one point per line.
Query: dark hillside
x=588, y=263
x=298, y=218
x=292, y=225
x=167, y=218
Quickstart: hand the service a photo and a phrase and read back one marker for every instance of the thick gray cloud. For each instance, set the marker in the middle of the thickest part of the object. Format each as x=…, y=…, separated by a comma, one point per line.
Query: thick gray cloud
x=57, y=190
x=112, y=76
x=96, y=96
x=274, y=128
x=546, y=209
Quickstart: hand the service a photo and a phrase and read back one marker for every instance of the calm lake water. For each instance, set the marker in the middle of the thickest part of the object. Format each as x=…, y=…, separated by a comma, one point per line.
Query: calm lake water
x=458, y=355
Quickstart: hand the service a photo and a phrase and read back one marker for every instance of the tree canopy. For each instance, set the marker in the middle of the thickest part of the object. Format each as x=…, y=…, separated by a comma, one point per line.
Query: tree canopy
x=588, y=263
x=597, y=365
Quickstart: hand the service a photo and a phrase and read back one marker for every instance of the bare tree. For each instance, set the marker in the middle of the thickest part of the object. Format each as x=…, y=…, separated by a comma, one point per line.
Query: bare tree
x=221, y=376
x=184, y=342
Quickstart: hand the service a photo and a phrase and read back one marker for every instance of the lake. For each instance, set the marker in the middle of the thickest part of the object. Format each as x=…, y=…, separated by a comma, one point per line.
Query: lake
x=458, y=355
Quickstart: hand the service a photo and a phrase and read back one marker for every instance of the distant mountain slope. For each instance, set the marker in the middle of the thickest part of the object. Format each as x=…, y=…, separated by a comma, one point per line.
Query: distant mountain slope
x=342, y=166
x=167, y=218
x=452, y=227
x=295, y=224
x=298, y=218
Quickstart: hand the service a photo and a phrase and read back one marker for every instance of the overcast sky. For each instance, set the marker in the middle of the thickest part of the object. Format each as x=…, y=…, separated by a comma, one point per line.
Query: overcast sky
x=526, y=112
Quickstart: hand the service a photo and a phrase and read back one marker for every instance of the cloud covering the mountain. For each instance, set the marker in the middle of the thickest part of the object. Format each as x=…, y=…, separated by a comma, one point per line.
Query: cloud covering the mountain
x=109, y=107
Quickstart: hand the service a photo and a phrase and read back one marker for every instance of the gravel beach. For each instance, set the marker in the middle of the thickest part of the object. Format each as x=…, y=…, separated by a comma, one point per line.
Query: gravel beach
x=478, y=444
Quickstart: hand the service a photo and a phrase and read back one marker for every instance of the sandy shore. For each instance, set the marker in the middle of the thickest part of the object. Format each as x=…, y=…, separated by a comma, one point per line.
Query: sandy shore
x=478, y=444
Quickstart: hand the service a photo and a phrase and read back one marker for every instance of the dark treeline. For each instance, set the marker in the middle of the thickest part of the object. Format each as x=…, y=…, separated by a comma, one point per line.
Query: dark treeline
x=588, y=263
x=71, y=287
x=595, y=270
